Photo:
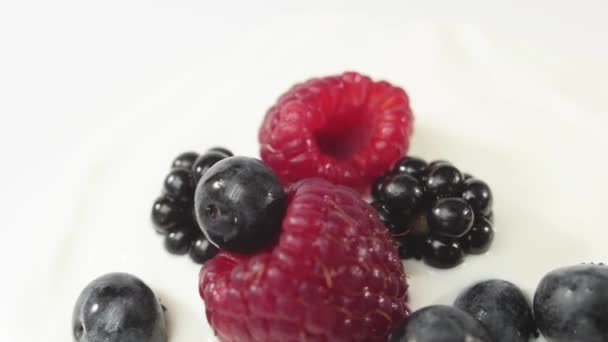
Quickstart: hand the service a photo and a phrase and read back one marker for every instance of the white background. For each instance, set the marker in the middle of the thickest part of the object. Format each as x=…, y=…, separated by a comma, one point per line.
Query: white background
x=86, y=87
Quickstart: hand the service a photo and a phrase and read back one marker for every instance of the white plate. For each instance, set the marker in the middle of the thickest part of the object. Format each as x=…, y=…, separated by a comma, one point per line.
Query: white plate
x=529, y=122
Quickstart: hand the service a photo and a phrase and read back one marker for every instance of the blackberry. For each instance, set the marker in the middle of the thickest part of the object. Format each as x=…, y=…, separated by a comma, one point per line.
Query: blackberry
x=173, y=212
x=435, y=211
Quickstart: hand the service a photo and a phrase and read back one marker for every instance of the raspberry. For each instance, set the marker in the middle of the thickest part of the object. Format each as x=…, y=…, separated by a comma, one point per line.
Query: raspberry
x=347, y=129
x=334, y=274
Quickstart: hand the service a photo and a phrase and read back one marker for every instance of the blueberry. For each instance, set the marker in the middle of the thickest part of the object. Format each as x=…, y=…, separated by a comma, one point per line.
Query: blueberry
x=240, y=204
x=179, y=238
x=502, y=308
x=184, y=160
x=118, y=307
x=204, y=163
x=440, y=323
x=202, y=250
x=479, y=238
x=223, y=150
x=179, y=185
x=395, y=226
x=451, y=217
x=444, y=180
x=478, y=195
x=571, y=304
x=166, y=213
x=402, y=194
x=441, y=253
x=411, y=165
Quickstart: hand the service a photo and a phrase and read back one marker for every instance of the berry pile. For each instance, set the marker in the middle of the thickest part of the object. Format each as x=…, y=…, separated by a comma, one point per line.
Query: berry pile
x=436, y=212
x=569, y=305
x=173, y=212
x=489, y=311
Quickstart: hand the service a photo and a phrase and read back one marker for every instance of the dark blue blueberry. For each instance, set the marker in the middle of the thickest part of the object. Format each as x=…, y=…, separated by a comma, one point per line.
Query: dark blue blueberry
x=240, y=204
x=479, y=238
x=166, y=213
x=184, y=160
x=502, y=308
x=223, y=150
x=118, y=307
x=411, y=165
x=442, y=253
x=179, y=238
x=402, y=194
x=179, y=185
x=478, y=195
x=451, y=217
x=444, y=180
x=440, y=323
x=571, y=304
x=204, y=163
x=202, y=250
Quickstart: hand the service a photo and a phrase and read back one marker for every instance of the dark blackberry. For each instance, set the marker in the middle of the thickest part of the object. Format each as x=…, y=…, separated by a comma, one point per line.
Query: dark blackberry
x=478, y=195
x=442, y=253
x=479, y=238
x=166, y=213
x=201, y=249
x=205, y=162
x=450, y=217
x=434, y=211
x=179, y=239
x=412, y=166
x=184, y=160
x=179, y=185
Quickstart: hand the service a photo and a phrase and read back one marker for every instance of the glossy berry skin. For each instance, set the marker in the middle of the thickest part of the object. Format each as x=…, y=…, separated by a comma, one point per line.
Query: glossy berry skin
x=402, y=194
x=478, y=195
x=118, y=307
x=570, y=304
x=240, y=204
x=184, y=160
x=346, y=128
x=166, y=213
x=502, y=308
x=179, y=185
x=377, y=187
x=442, y=253
x=450, y=217
x=223, y=150
x=413, y=166
x=333, y=275
x=441, y=323
x=179, y=238
x=397, y=227
x=202, y=250
x=204, y=163
x=479, y=238
x=444, y=180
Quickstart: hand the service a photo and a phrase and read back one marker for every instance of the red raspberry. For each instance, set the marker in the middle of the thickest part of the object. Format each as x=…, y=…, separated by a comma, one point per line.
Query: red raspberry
x=333, y=275
x=347, y=129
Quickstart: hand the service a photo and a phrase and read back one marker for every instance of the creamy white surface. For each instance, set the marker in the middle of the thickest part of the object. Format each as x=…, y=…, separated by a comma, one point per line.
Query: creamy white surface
x=529, y=121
